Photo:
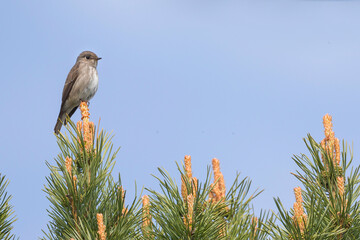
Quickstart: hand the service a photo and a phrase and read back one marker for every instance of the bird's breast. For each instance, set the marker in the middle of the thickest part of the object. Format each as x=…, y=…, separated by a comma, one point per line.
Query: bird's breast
x=94, y=79
x=92, y=85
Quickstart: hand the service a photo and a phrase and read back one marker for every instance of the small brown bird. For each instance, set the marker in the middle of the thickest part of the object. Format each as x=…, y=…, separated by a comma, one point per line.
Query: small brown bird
x=81, y=85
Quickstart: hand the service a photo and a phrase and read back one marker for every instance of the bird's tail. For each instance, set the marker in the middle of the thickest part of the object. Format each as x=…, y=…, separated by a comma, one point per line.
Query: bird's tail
x=63, y=115
x=59, y=123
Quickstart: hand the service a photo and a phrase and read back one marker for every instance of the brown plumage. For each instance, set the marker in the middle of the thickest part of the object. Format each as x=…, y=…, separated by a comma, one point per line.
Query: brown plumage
x=81, y=85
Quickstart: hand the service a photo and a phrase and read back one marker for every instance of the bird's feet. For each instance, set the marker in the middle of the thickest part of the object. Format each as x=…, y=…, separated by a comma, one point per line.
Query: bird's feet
x=87, y=103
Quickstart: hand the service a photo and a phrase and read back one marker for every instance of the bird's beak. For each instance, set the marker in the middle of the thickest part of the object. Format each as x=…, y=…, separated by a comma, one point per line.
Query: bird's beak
x=98, y=58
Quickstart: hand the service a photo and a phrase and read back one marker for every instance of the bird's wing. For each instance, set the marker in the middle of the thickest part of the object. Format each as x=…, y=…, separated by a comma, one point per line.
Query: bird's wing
x=70, y=80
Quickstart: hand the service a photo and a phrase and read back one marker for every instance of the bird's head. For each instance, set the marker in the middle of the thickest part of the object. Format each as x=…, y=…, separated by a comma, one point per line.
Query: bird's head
x=89, y=57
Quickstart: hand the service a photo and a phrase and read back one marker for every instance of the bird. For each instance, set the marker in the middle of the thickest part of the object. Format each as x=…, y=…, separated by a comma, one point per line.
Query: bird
x=80, y=86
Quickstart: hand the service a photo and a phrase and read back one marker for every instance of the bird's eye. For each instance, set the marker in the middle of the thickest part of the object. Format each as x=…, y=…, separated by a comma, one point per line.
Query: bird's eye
x=87, y=57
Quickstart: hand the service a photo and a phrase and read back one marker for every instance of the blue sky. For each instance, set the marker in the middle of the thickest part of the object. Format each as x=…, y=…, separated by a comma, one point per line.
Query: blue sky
x=243, y=81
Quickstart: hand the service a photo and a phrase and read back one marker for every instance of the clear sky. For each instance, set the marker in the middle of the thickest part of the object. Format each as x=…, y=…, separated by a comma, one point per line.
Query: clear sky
x=242, y=81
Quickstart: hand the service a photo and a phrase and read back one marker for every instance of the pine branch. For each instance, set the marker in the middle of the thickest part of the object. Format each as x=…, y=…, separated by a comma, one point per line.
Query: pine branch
x=6, y=211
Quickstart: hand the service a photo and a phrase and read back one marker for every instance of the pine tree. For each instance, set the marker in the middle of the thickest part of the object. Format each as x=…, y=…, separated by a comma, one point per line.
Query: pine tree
x=86, y=202
x=200, y=210
x=327, y=206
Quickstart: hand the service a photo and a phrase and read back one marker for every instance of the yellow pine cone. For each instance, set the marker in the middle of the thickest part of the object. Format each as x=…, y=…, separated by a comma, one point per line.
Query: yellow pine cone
x=101, y=226
x=86, y=127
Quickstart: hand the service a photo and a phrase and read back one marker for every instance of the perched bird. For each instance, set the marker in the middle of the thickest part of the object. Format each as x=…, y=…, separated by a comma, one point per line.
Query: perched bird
x=81, y=85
